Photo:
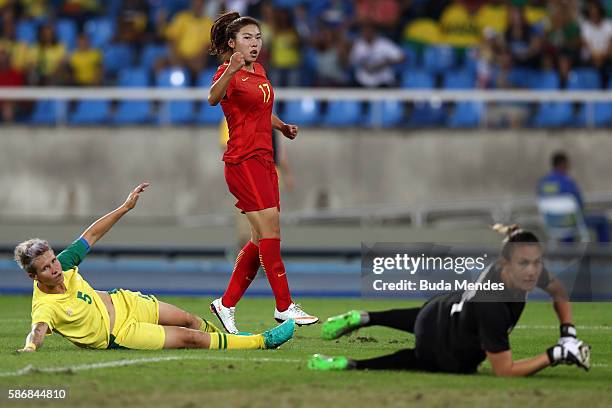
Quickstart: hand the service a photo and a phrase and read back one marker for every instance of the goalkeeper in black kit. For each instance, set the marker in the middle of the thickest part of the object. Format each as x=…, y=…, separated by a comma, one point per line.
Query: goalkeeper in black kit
x=455, y=332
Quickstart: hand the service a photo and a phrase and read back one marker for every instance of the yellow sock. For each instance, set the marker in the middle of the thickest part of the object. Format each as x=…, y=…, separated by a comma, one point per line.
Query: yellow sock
x=208, y=327
x=222, y=341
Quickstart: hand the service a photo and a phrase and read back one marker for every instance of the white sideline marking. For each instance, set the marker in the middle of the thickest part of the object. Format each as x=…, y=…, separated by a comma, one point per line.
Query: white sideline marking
x=546, y=327
x=30, y=369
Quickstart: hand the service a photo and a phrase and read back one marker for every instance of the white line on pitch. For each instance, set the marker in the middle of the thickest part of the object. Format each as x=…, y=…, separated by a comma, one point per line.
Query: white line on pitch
x=30, y=369
x=546, y=327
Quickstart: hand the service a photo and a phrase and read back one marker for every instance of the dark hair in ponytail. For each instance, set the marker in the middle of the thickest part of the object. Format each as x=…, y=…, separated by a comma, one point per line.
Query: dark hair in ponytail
x=514, y=235
x=226, y=26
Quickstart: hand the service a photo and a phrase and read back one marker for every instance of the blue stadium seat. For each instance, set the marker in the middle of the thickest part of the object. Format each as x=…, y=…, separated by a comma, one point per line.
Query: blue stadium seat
x=417, y=79
x=151, y=53
x=438, y=59
x=584, y=78
x=466, y=115
x=117, y=57
x=427, y=114
x=424, y=113
x=545, y=81
x=205, y=77
x=342, y=114
x=26, y=31
x=175, y=112
x=553, y=115
x=48, y=112
x=588, y=79
x=411, y=57
x=137, y=111
x=209, y=115
x=459, y=80
x=91, y=112
x=523, y=77
x=100, y=31
x=67, y=33
x=303, y=112
x=384, y=114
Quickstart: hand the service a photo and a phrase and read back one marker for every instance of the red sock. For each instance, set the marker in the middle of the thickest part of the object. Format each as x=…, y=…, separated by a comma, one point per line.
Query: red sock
x=270, y=256
x=245, y=270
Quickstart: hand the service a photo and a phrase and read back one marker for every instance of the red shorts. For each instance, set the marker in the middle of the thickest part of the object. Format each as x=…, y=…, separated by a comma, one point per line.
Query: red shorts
x=254, y=183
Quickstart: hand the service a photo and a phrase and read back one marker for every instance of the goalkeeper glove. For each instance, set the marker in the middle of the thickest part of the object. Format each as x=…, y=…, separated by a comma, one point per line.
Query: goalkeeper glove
x=571, y=352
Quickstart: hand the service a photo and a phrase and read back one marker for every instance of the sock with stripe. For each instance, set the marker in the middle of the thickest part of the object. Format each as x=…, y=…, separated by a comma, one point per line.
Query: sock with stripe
x=270, y=257
x=245, y=270
x=208, y=327
x=222, y=341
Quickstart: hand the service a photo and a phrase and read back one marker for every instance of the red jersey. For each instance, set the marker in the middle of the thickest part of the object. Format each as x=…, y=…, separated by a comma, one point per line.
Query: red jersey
x=247, y=106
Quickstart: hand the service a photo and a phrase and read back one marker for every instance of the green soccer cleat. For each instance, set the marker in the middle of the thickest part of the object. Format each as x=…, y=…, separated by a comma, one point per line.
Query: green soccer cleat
x=338, y=326
x=319, y=362
x=278, y=335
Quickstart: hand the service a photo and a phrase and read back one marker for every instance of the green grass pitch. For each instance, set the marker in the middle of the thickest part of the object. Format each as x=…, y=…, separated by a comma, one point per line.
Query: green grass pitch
x=271, y=378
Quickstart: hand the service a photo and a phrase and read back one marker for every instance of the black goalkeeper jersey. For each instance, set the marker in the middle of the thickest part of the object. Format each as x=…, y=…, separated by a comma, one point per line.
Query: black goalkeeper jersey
x=453, y=331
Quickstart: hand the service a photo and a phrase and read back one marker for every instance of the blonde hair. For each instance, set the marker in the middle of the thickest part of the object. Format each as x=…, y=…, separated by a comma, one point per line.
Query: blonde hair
x=26, y=253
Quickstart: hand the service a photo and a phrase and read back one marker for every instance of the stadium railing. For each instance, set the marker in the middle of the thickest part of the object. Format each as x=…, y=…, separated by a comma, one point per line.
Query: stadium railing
x=590, y=99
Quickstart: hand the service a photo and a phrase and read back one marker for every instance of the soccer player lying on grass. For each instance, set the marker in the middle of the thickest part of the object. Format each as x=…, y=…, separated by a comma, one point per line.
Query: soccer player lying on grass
x=455, y=332
x=62, y=301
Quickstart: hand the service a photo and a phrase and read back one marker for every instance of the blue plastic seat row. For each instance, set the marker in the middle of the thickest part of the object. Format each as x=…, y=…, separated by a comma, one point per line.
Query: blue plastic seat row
x=99, y=112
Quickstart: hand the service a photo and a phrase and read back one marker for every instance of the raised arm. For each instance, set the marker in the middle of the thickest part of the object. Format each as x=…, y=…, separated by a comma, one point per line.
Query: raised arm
x=35, y=338
x=219, y=88
x=101, y=226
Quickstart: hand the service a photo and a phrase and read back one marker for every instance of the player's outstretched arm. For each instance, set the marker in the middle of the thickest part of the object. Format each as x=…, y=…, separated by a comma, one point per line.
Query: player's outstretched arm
x=101, y=226
x=35, y=338
x=219, y=88
x=503, y=366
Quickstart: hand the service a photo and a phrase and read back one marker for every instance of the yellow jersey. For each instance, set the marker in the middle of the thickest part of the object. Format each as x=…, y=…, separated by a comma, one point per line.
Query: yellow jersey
x=79, y=315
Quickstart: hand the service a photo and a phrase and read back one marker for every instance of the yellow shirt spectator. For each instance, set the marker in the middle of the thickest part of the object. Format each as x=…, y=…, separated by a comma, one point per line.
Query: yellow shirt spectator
x=458, y=26
x=86, y=66
x=535, y=15
x=21, y=54
x=493, y=16
x=48, y=59
x=189, y=33
x=285, y=49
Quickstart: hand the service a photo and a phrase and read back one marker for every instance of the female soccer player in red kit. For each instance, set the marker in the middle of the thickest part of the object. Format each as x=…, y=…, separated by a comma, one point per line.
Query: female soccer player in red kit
x=247, y=98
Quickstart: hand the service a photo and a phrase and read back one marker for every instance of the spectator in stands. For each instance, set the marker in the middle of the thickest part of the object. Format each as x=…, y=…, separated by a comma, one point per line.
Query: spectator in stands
x=502, y=114
x=563, y=37
x=9, y=76
x=86, y=63
x=536, y=12
x=493, y=15
x=20, y=53
x=385, y=14
x=285, y=51
x=596, y=36
x=80, y=10
x=459, y=25
x=188, y=35
x=332, y=52
x=133, y=22
x=373, y=57
x=523, y=41
x=49, y=58
x=336, y=13
x=559, y=182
